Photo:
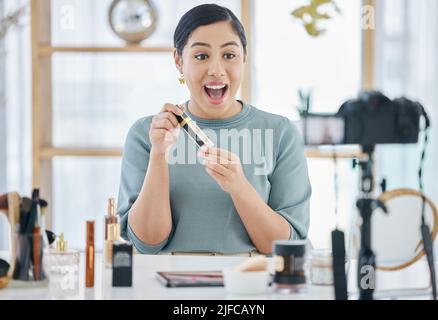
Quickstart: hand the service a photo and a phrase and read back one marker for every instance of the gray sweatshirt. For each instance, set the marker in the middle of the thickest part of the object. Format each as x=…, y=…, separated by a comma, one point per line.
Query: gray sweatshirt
x=204, y=218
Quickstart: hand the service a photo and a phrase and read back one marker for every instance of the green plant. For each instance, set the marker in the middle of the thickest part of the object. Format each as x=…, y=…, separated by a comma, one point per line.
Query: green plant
x=305, y=98
x=312, y=14
x=11, y=20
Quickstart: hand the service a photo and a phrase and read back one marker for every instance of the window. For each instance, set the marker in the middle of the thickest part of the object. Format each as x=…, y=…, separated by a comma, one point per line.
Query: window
x=407, y=66
x=285, y=60
x=406, y=48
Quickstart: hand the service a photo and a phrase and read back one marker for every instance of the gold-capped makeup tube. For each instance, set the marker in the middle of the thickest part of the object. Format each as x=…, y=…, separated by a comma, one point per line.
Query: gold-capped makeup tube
x=194, y=132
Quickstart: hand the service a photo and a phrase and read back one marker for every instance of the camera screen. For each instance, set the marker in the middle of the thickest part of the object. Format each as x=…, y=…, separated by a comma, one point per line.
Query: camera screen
x=322, y=130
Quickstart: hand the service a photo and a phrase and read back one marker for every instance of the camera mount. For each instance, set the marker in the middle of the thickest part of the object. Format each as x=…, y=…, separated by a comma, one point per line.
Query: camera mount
x=367, y=260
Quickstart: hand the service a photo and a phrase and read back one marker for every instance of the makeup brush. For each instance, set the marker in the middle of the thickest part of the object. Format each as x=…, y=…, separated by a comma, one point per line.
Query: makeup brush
x=29, y=242
x=33, y=214
x=25, y=207
x=36, y=253
x=51, y=236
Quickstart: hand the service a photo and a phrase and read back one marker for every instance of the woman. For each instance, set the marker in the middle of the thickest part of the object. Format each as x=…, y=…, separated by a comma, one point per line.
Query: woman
x=217, y=204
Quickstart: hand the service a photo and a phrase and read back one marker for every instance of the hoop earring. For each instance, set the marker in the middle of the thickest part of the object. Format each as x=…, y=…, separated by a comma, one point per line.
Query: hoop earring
x=181, y=79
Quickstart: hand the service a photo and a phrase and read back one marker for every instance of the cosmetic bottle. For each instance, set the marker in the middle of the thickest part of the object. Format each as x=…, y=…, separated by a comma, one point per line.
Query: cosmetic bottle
x=62, y=266
x=89, y=255
x=110, y=216
x=122, y=263
x=61, y=259
x=112, y=232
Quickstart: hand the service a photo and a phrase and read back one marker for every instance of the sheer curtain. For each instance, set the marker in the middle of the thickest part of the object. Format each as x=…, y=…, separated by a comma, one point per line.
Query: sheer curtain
x=407, y=65
x=15, y=112
x=2, y=130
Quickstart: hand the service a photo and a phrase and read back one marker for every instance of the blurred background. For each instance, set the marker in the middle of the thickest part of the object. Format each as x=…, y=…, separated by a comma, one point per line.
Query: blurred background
x=70, y=88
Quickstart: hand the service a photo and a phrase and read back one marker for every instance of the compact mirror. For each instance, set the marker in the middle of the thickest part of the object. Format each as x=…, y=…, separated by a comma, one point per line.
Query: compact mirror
x=396, y=236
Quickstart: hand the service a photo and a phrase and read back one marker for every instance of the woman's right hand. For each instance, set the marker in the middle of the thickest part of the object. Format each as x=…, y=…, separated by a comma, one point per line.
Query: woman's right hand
x=164, y=129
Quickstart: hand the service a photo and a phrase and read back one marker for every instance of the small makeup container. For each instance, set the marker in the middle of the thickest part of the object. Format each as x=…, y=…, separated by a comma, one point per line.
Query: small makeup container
x=290, y=266
x=321, y=267
x=122, y=264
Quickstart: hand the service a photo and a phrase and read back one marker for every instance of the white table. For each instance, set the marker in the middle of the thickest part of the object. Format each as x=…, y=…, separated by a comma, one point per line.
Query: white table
x=146, y=286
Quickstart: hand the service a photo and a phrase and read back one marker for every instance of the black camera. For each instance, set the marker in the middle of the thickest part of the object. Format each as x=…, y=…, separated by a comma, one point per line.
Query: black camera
x=369, y=120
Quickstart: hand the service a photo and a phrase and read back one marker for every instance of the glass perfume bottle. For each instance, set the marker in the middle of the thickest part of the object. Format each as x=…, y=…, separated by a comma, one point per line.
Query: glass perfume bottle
x=62, y=266
x=321, y=267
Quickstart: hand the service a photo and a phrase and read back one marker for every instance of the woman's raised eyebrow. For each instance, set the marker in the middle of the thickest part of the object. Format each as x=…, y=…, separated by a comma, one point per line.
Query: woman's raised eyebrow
x=231, y=43
x=203, y=44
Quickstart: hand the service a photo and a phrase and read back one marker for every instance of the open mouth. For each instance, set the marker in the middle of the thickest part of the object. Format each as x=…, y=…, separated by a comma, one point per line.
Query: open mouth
x=216, y=93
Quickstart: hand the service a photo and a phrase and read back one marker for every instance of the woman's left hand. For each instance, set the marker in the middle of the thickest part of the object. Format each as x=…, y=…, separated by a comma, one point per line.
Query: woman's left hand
x=225, y=167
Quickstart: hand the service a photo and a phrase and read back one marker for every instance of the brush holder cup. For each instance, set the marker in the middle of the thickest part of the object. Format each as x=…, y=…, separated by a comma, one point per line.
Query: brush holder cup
x=29, y=269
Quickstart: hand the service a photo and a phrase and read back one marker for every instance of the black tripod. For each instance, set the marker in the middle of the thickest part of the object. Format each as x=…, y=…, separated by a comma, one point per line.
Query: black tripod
x=367, y=260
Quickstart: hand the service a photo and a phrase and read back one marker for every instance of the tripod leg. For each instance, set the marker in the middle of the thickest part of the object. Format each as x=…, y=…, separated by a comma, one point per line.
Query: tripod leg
x=366, y=262
x=339, y=275
x=366, y=275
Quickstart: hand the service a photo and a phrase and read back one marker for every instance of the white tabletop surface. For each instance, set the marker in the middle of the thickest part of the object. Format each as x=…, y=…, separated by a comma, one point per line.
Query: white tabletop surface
x=146, y=286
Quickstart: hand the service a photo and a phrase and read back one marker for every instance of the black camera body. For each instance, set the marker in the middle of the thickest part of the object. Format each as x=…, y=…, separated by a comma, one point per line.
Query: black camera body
x=368, y=120
x=375, y=119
